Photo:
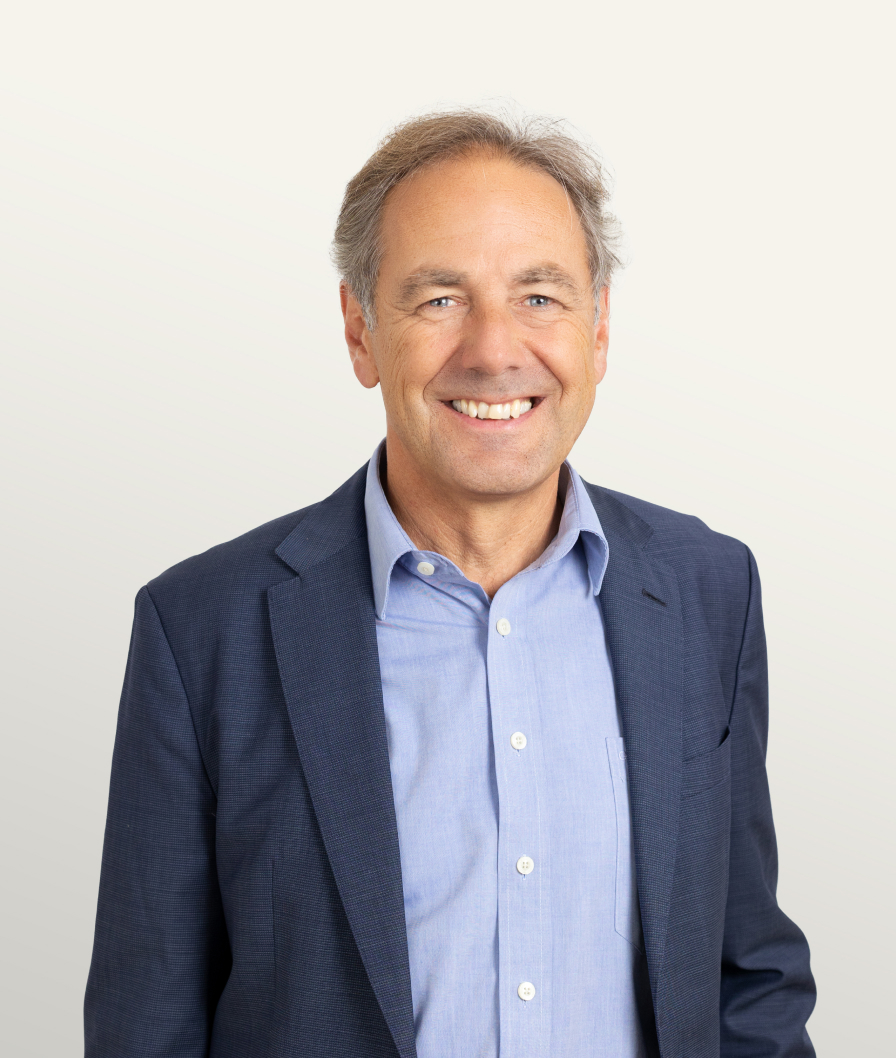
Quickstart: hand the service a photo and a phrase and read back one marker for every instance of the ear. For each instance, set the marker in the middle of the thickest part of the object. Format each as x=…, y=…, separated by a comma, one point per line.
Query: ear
x=601, y=334
x=357, y=338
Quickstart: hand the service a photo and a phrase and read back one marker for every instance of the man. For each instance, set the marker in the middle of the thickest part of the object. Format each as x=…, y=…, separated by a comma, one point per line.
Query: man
x=468, y=759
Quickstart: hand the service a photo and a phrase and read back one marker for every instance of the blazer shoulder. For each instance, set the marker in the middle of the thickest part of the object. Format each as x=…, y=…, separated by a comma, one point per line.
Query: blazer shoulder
x=229, y=573
x=719, y=567
x=247, y=563
x=673, y=530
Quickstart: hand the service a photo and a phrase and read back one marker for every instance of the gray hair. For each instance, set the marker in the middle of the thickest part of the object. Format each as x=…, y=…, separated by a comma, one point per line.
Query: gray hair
x=535, y=142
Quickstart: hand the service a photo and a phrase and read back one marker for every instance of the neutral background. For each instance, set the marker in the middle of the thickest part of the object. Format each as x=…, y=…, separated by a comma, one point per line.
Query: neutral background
x=174, y=373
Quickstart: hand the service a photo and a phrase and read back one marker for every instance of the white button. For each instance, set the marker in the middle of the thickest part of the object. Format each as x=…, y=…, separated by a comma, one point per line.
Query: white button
x=525, y=865
x=503, y=627
x=526, y=991
x=518, y=740
x=426, y=568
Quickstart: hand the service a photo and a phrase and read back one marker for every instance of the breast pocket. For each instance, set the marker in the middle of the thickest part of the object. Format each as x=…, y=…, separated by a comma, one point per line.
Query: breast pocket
x=628, y=911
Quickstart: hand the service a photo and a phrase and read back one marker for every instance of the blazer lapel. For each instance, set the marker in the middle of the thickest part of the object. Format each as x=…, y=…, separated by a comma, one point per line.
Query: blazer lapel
x=645, y=640
x=324, y=632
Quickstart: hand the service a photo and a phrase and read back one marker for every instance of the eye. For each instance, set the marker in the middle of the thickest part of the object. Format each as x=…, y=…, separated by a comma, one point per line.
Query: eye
x=539, y=301
x=439, y=303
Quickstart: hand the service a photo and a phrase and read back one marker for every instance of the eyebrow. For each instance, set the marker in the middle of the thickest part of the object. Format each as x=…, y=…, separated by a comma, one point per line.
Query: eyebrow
x=547, y=273
x=429, y=277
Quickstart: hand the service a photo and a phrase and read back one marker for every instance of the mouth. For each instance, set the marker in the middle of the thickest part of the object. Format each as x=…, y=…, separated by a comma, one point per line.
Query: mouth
x=479, y=409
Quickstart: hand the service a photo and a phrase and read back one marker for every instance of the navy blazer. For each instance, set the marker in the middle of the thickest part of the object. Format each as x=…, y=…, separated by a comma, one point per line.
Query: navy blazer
x=251, y=900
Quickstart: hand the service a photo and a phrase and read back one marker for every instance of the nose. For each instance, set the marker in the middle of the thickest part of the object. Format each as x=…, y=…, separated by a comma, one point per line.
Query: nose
x=490, y=343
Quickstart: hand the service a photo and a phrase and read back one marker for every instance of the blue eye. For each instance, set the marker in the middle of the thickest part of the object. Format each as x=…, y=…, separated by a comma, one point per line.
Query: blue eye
x=439, y=303
x=539, y=301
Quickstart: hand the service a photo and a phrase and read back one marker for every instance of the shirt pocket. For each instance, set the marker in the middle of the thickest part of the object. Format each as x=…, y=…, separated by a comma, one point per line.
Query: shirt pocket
x=628, y=910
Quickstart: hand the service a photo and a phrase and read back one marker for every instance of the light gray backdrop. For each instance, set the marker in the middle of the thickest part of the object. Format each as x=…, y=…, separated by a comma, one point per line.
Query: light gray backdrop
x=175, y=374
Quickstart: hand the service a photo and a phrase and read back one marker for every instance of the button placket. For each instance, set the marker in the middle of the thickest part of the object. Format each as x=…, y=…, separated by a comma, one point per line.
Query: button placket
x=524, y=912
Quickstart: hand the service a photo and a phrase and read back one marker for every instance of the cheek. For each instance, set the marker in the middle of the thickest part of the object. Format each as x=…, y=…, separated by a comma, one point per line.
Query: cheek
x=407, y=365
x=575, y=368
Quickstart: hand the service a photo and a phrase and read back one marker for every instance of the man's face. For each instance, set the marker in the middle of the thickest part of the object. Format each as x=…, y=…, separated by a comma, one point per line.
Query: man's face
x=484, y=296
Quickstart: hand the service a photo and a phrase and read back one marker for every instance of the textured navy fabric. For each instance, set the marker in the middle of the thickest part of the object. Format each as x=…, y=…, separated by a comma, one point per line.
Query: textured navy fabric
x=251, y=900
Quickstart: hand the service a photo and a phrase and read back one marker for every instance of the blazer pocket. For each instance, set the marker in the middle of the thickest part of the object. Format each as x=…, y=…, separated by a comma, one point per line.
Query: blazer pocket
x=707, y=770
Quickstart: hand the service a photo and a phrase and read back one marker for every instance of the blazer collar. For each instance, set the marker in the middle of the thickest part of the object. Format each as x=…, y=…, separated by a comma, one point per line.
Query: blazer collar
x=327, y=526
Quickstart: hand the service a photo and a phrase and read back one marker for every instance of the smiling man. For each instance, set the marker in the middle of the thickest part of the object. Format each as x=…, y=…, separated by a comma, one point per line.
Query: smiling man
x=467, y=760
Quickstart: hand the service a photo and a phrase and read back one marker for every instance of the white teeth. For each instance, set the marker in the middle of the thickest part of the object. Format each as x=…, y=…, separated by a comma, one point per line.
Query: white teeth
x=480, y=410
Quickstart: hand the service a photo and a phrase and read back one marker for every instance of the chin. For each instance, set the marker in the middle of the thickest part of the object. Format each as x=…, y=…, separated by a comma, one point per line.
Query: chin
x=494, y=475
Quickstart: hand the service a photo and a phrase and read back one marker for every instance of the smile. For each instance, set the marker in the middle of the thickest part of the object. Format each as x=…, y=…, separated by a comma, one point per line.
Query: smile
x=480, y=410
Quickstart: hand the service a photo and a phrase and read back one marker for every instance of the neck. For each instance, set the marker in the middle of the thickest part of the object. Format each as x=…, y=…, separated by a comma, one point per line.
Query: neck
x=489, y=538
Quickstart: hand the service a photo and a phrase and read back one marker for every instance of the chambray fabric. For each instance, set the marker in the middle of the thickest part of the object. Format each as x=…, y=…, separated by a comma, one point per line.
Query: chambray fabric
x=251, y=901
x=468, y=804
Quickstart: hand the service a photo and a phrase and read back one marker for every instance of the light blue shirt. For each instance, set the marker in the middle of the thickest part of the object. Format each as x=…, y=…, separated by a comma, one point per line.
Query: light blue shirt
x=508, y=772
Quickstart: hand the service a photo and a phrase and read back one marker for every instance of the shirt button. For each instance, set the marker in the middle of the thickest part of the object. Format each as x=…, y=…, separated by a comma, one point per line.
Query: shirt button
x=503, y=627
x=525, y=865
x=526, y=991
x=518, y=740
x=426, y=568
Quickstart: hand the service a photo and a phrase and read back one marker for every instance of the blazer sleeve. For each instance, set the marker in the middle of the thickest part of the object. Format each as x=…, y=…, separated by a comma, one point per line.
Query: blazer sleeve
x=767, y=991
x=160, y=955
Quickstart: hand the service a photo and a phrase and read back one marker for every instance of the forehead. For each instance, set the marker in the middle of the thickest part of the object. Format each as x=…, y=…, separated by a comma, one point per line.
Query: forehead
x=480, y=207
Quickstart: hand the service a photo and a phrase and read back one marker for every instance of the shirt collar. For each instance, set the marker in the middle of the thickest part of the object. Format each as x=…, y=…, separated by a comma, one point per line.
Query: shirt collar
x=388, y=542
